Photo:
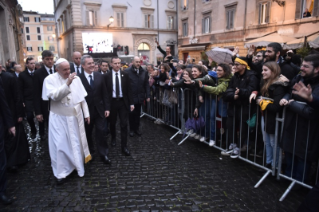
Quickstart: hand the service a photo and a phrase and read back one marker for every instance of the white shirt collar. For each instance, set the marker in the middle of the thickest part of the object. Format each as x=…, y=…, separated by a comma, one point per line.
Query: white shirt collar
x=29, y=71
x=48, y=69
x=88, y=75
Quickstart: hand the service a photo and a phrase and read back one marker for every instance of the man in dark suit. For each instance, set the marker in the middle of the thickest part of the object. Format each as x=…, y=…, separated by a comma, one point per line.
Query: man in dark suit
x=6, y=122
x=140, y=91
x=76, y=66
x=17, y=148
x=104, y=67
x=42, y=107
x=26, y=87
x=99, y=106
x=120, y=96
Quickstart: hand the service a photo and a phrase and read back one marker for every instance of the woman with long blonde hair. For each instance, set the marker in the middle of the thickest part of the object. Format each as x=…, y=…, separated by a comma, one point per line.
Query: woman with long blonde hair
x=273, y=88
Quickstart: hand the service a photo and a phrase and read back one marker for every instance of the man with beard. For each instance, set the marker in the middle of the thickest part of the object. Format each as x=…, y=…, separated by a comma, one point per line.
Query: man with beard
x=272, y=54
x=303, y=120
x=167, y=56
x=140, y=91
x=17, y=148
x=41, y=106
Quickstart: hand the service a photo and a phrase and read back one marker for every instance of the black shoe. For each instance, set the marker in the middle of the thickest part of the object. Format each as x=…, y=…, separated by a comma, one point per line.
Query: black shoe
x=131, y=133
x=5, y=200
x=125, y=151
x=13, y=169
x=113, y=142
x=105, y=159
x=60, y=181
x=138, y=132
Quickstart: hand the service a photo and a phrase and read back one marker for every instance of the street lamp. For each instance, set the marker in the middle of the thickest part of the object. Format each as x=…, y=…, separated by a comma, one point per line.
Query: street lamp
x=111, y=19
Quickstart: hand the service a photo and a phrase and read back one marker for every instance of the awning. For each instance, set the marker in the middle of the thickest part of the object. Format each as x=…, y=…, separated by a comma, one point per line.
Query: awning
x=312, y=40
x=264, y=41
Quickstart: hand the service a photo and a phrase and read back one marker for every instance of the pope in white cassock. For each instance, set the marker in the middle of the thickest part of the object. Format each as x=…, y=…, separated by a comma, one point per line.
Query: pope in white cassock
x=67, y=139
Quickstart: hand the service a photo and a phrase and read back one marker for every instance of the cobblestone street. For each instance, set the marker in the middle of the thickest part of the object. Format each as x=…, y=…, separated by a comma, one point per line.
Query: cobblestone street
x=159, y=176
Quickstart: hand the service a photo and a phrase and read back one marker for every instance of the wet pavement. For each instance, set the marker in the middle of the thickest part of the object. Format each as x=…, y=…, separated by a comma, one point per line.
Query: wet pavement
x=159, y=176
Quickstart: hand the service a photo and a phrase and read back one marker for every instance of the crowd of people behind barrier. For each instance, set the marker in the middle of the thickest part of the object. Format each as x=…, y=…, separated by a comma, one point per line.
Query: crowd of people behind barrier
x=265, y=84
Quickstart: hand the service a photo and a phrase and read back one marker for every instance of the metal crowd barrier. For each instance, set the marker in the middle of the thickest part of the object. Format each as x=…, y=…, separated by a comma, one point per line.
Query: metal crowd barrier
x=165, y=106
x=213, y=111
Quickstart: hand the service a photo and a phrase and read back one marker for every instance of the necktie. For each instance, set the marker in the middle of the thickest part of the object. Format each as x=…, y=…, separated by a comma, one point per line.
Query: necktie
x=78, y=71
x=91, y=81
x=50, y=71
x=117, y=86
x=32, y=74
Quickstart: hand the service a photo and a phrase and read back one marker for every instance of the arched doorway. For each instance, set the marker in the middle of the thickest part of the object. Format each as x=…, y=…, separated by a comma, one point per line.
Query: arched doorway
x=143, y=51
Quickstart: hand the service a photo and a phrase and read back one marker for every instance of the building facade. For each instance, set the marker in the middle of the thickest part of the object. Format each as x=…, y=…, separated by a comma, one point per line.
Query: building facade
x=10, y=34
x=85, y=24
x=204, y=24
x=39, y=34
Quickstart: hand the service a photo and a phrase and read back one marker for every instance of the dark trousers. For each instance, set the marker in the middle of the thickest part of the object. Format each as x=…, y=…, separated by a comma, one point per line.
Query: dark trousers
x=134, y=117
x=99, y=123
x=118, y=108
x=3, y=165
x=297, y=168
x=233, y=123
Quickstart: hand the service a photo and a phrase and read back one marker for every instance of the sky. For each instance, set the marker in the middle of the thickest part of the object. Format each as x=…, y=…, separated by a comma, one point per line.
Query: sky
x=41, y=6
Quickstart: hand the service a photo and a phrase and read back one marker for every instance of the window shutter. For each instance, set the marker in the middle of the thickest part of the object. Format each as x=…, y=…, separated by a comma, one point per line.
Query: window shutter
x=298, y=12
x=146, y=21
x=122, y=19
x=152, y=21
x=95, y=18
x=267, y=12
x=173, y=22
x=315, y=11
x=167, y=23
x=227, y=19
x=209, y=24
x=203, y=25
x=118, y=19
x=260, y=13
x=231, y=21
x=186, y=4
x=186, y=29
x=87, y=18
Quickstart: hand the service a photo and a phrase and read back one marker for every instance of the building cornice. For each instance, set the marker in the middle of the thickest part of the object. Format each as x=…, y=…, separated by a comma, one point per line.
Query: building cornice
x=122, y=6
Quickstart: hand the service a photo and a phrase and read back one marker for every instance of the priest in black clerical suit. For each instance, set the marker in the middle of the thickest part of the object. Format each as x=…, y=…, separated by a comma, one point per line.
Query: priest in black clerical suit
x=121, y=101
x=99, y=107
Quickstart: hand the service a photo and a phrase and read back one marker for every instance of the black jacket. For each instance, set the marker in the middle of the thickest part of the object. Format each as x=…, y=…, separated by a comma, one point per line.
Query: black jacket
x=276, y=91
x=308, y=122
x=40, y=106
x=12, y=95
x=164, y=55
x=26, y=87
x=139, y=84
x=125, y=85
x=97, y=97
x=6, y=121
x=246, y=83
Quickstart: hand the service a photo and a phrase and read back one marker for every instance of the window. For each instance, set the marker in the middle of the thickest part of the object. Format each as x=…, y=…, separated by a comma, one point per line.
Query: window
x=230, y=15
x=40, y=49
x=50, y=38
x=39, y=37
x=29, y=49
x=91, y=18
x=120, y=19
x=28, y=37
x=143, y=46
x=21, y=30
x=27, y=30
x=149, y=21
x=52, y=48
x=206, y=0
x=264, y=9
x=26, y=19
x=38, y=30
x=37, y=19
x=185, y=29
x=206, y=25
x=170, y=22
x=49, y=28
x=184, y=4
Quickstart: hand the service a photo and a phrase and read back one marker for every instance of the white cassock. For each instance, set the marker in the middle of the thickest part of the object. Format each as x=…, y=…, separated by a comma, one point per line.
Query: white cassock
x=67, y=139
